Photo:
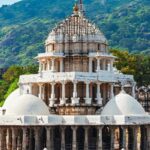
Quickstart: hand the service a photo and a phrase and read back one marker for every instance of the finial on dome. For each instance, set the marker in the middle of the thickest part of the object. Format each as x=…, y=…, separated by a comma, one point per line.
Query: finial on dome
x=75, y=8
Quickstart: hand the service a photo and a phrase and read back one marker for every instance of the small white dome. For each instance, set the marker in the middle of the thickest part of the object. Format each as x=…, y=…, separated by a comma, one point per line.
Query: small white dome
x=123, y=104
x=26, y=105
x=10, y=99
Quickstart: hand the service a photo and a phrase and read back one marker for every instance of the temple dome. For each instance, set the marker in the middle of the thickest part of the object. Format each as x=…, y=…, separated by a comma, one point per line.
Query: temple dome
x=26, y=105
x=123, y=104
x=10, y=99
x=67, y=29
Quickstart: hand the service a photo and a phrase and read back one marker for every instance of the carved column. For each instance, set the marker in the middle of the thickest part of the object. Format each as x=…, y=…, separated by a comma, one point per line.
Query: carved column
x=74, y=138
x=124, y=138
x=90, y=64
x=63, y=99
x=40, y=91
x=75, y=99
x=88, y=100
x=25, y=139
x=98, y=64
x=62, y=138
x=99, y=138
x=112, y=138
x=19, y=141
x=49, y=138
x=9, y=139
x=52, y=99
x=133, y=89
x=1, y=139
x=37, y=138
x=99, y=97
x=111, y=65
x=135, y=138
x=53, y=64
x=14, y=138
x=111, y=90
x=40, y=66
x=61, y=65
x=104, y=64
x=86, y=129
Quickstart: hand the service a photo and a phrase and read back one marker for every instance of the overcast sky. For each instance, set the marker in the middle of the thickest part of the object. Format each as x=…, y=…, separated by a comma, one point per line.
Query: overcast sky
x=4, y=2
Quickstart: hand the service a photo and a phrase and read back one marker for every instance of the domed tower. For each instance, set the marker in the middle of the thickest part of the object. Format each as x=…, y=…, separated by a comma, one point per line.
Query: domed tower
x=76, y=74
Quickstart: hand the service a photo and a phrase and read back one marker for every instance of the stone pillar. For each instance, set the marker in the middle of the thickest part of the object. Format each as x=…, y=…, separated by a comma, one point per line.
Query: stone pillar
x=49, y=138
x=19, y=142
x=98, y=65
x=1, y=139
x=99, y=138
x=86, y=147
x=88, y=100
x=24, y=139
x=31, y=136
x=40, y=91
x=14, y=138
x=90, y=64
x=62, y=138
x=63, y=99
x=40, y=66
x=61, y=65
x=52, y=99
x=148, y=137
x=9, y=139
x=74, y=138
x=75, y=99
x=112, y=138
x=53, y=65
x=135, y=138
x=124, y=139
x=133, y=89
x=111, y=90
x=48, y=64
x=111, y=65
x=99, y=97
x=104, y=64
x=37, y=139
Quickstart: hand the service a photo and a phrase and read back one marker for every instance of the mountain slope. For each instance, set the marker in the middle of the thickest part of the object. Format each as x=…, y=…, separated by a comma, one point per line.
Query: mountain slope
x=25, y=25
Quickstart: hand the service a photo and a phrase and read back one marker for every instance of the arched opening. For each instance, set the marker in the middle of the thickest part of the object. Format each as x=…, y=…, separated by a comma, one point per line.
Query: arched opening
x=81, y=89
x=47, y=93
x=94, y=65
x=69, y=91
x=106, y=138
x=92, y=138
x=57, y=138
x=43, y=138
x=143, y=138
x=130, y=138
x=68, y=138
x=58, y=92
x=93, y=92
x=80, y=138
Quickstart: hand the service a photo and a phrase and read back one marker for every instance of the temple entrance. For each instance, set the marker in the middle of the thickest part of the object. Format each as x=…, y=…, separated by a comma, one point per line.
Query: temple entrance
x=106, y=138
x=130, y=138
x=92, y=138
x=68, y=138
x=80, y=138
x=57, y=139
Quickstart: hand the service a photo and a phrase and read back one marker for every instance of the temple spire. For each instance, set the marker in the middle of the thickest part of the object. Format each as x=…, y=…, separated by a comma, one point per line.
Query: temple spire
x=81, y=6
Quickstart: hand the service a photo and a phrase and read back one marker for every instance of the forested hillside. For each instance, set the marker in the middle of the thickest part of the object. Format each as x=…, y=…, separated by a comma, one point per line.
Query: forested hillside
x=25, y=25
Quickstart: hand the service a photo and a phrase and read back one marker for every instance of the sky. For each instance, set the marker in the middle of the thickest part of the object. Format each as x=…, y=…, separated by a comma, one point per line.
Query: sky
x=4, y=2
